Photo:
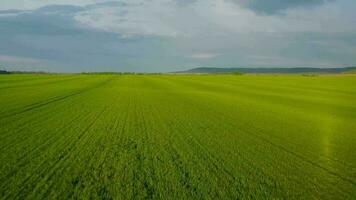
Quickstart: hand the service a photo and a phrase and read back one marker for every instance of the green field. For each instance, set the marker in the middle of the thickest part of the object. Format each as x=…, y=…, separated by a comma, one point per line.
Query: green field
x=178, y=136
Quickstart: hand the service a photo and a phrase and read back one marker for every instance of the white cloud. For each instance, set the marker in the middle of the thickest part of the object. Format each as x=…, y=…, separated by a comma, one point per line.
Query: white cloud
x=167, y=33
x=203, y=17
x=13, y=13
x=34, y=4
x=134, y=18
x=209, y=17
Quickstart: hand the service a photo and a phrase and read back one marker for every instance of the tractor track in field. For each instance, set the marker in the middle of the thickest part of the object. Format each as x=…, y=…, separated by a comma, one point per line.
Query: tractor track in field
x=63, y=129
x=184, y=176
x=145, y=156
x=230, y=89
x=43, y=83
x=56, y=99
x=303, y=157
x=34, y=78
x=215, y=164
x=258, y=137
x=90, y=125
x=36, y=121
x=61, y=157
x=22, y=162
x=219, y=163
x=294, y=154
x=100, y=167
x=184, y=137
x=56, y=166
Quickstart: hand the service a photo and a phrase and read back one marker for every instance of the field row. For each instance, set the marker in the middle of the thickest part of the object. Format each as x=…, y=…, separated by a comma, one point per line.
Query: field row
x=177, y=136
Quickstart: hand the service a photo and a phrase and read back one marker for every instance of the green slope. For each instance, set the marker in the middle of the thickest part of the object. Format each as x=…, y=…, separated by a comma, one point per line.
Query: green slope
x=177, y=136
x=270, y=70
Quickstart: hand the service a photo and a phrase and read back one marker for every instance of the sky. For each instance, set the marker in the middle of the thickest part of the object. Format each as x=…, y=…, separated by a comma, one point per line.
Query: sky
x=175, y=35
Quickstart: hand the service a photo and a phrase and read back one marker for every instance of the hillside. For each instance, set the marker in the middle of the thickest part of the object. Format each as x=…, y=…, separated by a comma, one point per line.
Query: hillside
x=4, y=72
x=294, y=70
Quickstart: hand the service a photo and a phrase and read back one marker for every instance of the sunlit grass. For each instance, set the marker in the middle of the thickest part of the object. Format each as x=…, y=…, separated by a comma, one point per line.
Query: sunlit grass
x=177, y=136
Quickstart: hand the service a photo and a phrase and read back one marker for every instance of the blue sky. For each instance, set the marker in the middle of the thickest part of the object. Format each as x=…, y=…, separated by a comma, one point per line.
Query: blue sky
x=171, y=35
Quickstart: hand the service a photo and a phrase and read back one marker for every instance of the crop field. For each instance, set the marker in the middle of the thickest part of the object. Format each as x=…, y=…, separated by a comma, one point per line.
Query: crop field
x=177, y=137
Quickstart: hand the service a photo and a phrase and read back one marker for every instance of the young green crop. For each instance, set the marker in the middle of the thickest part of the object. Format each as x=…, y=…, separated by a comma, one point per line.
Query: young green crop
x=109, y=136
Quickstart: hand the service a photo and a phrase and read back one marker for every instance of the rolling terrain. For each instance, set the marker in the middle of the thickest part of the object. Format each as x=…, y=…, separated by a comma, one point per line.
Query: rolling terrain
x=267, y=70
x=177, y=136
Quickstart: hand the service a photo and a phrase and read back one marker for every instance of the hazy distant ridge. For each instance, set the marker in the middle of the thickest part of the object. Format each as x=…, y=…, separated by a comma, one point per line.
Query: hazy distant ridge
x=295, y=70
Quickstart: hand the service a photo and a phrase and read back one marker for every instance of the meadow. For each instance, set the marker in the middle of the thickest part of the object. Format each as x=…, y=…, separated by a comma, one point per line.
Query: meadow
x=177, y=136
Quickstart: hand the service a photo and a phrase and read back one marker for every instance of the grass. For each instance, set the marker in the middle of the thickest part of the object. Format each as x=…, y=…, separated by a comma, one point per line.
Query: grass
x=351, y=72
x=177, y=136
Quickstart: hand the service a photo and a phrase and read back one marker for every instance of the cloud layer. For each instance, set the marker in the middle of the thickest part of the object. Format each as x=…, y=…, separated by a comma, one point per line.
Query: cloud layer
x=169, y=35
x=277, y=6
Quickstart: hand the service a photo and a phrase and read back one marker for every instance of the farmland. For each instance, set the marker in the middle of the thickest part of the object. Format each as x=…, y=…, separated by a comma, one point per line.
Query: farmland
x=177, y=136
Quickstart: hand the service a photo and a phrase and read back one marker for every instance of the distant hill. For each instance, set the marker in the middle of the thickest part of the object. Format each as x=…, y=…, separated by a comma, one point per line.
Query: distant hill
x=4, y=72
x=294, y=70
x=352, y=71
